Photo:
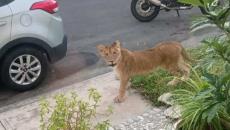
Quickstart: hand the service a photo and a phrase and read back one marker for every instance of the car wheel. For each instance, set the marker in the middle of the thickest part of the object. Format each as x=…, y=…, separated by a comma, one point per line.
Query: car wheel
x=24, y=68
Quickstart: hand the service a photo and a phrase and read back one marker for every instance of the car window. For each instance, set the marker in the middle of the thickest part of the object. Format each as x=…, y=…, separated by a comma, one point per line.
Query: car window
x=8, y=1
x=5, y=2
x=2, y=2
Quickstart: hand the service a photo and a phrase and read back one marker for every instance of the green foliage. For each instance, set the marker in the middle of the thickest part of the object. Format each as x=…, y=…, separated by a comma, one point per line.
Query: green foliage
x=71, y=113
x=196, y=2
x=215, y=56
x=153, y=85
x=206, y=104
x=218, y=13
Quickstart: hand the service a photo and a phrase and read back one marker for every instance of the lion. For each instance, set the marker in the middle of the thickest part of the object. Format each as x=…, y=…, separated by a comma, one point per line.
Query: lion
x=169, y=55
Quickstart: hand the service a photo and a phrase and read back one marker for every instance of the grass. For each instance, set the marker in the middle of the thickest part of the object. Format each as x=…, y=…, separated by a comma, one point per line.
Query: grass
x=153, y=85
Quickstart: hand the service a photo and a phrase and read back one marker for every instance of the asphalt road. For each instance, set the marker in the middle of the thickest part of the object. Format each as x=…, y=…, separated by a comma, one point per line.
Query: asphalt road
x=91, y=22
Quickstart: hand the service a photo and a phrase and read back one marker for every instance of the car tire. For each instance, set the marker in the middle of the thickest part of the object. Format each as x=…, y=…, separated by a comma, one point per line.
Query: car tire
x=24, y=68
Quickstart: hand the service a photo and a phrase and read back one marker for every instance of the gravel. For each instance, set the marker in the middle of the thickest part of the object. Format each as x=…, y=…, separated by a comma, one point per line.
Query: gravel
x=153, y=119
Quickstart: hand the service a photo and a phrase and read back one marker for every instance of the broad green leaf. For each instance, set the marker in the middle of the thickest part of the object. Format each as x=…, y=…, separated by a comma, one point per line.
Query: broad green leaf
x=201, y=3
x=212, y=111
x=203, y=26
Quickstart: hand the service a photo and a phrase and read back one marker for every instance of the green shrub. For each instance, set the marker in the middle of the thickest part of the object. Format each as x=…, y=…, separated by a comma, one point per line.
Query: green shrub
x=206, y=106
x=71, y=113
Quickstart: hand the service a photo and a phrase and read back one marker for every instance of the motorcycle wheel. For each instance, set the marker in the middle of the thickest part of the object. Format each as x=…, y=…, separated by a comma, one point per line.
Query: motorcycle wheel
x=143, y=10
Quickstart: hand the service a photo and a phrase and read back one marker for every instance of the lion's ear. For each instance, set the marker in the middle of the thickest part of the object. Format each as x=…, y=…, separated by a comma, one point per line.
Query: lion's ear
x=117, y=44
x=100, y=48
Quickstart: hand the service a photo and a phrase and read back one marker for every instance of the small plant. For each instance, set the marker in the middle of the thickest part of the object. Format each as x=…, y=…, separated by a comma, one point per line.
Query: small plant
x=71, y=113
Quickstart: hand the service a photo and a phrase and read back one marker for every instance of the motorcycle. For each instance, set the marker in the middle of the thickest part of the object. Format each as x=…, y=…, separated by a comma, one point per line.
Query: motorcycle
x=147, y=10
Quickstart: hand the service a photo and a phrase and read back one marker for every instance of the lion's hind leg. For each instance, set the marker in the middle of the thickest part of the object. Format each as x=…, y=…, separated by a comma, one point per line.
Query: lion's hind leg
x=180, y=69
x=185, y=69
x=175, y=71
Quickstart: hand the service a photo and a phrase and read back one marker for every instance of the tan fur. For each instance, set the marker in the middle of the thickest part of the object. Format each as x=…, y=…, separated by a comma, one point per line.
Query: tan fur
x=168, y=55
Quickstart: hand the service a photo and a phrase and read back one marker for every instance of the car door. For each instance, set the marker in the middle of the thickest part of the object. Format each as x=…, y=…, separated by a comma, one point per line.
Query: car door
x=5, y=22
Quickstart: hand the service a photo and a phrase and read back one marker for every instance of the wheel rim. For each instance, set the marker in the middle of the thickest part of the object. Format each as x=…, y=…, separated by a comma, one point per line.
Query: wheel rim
x=144, y=8
x=25, y=69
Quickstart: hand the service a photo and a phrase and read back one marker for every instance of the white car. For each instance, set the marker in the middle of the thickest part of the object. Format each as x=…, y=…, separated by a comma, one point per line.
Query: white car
x=31, y=37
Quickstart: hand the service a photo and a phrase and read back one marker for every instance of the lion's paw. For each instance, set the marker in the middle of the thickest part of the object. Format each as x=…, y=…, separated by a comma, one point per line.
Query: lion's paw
x=172, y=83
x=119, y=99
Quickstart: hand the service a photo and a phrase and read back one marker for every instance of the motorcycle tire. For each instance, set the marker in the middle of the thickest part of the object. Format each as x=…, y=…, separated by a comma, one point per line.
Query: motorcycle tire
x=149, y=17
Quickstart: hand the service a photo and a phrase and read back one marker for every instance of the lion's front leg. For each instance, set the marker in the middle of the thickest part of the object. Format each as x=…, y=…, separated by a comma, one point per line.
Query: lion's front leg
x=122, y=90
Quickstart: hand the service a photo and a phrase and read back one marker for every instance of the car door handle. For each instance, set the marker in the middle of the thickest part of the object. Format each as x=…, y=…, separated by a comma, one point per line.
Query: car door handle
x=2, y=23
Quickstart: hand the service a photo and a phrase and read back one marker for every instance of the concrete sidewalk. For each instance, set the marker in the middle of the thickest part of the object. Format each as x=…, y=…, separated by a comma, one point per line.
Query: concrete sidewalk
x=27, y=117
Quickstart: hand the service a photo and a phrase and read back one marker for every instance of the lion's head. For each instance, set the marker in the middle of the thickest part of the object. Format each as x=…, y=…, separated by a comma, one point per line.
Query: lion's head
x=110, y=53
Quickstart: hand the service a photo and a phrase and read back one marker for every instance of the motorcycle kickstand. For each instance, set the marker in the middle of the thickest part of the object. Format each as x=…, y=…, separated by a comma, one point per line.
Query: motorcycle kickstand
x=178, y=13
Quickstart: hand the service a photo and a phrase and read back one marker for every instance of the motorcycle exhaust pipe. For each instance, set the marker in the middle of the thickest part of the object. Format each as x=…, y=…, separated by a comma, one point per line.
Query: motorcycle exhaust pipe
x=158, y=3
